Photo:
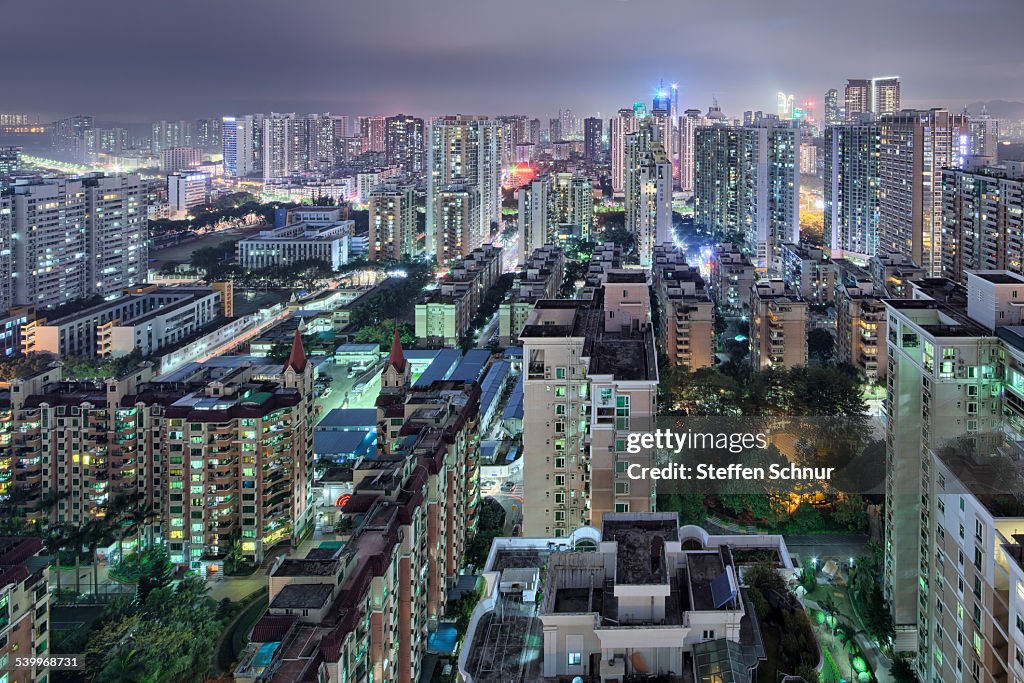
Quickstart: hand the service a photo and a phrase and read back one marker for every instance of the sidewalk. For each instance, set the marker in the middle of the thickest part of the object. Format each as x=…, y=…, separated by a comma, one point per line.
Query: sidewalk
x=878, y=662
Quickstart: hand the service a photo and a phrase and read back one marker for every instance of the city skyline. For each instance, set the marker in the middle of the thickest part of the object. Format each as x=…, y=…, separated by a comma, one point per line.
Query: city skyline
x=590, y=61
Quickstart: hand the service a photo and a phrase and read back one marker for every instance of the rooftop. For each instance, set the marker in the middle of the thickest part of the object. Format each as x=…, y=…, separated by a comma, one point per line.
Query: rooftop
x=303, y=596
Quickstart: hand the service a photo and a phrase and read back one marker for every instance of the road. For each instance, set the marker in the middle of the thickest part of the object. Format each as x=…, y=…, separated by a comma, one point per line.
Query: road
x=490, y=329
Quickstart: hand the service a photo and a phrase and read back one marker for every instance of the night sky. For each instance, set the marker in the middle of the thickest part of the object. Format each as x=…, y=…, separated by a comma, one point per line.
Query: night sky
x=137, y=60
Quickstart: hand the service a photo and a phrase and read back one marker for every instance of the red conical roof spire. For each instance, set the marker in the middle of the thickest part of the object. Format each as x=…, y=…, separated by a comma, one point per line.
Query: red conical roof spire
x=297, y=358
x=397, y=358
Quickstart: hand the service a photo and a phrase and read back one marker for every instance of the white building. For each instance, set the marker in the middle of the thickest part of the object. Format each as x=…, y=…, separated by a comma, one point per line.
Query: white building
x=118, y=233
x=464, y=156
x=648, y=191
x=297, y=241
x=186, y=190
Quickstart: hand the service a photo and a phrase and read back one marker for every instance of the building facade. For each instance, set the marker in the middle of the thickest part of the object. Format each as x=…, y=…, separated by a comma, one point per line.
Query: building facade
x=852, y=188
x=778, y=326
x=915, y=146
x=982, y=218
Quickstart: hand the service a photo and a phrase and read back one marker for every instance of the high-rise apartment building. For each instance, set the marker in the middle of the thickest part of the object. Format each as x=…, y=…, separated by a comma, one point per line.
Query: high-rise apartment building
x=852, y=188
x=393, y=221
x=648, y=190
x=117, y=231
x=732, y=277
x=373, y=133
x=71, y=137
x=878, y=96
x=174, y=159
x=858, y=98
x=514, y=132
x=222, y=454
x=168, y=134
x=952, y=549
x=914, y=148
x=403, y=143
x=778, y=326
x=747, y=184
x=463, y=184
x=10, y=163
x=207, y=134
x=689, y=122
x=6, y=253
x=593, y=140
x=885, y=95
x=624, y=123
x=687, y=314
x=590, y=375
x=984, y=135
x=833, y=111
x=240, y=145
x=364, y=612
x=49, y=242
x=557, y=199
x=278, y=150
x=982, y=218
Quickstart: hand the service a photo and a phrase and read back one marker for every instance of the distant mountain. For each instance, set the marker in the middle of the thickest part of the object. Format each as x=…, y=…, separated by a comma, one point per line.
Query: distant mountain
x=999, y=109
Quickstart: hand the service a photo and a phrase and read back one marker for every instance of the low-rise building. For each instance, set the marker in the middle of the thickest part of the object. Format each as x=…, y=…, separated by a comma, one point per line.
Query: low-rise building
x=778, y=326
x=732, y=277
x=297, y=241
x=186, y=190
x=809, y=270
x=686, y=326
x=146, y=320
x=539, y=278
x=444, y=316
x=893, y=272
x=641, y=597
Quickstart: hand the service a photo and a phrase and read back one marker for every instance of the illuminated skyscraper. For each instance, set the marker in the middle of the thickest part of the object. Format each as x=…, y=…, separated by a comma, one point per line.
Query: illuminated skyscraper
x=858, y=98
x=548, y=202
x=622, y=125
x=688, y=124
x=117, y=233
x=463, y=170
x=885, y=95
x=393, y=222
x=278, y=146
x=404, y=143
x=852, y=188
x=593, y=145
x=372, y=132
x=915, y=146
x=984, y=135
x=833, y=112
x=648, y=191
x=240, y=135
x=785, y=106
x=747, y=184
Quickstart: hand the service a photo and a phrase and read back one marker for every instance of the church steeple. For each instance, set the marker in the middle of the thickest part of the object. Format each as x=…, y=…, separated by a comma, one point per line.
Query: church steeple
x=398, y=371
x=397, y=357
x=297, y=358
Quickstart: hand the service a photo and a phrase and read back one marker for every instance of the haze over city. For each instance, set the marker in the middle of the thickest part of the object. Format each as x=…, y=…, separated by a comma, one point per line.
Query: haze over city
x=122, y=60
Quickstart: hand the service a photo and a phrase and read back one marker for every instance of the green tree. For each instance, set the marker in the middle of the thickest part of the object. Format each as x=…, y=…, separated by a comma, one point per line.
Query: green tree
x=24, y=366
